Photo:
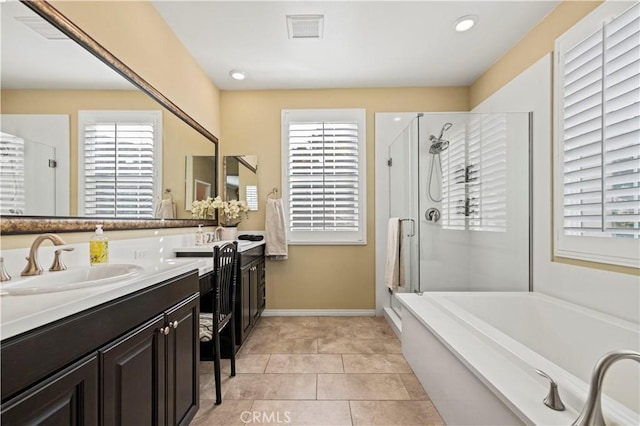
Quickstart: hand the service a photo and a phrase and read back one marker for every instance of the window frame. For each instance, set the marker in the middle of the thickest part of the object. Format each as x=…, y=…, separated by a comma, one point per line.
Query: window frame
x=357, y=115
x=88, y=116
x=601, y=249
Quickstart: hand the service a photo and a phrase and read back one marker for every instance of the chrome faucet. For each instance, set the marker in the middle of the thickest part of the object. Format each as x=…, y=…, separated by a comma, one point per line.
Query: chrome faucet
x=33, y=266
x=591, y=414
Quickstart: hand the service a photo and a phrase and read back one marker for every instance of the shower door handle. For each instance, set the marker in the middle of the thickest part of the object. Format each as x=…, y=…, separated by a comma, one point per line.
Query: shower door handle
x=413, y=226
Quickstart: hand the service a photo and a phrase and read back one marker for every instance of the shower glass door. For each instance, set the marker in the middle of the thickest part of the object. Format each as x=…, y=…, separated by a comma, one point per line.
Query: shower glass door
x=403, y=203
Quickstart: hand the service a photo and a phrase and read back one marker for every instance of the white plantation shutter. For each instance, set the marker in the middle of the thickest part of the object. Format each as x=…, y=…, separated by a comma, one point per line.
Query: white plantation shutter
x=252, y=197
x=622, y=125
x=487, y=159
x=453, y=187
x=474, y=175
x=120, y=163
x=12, y=198
x=598, y=95
x=323, y=176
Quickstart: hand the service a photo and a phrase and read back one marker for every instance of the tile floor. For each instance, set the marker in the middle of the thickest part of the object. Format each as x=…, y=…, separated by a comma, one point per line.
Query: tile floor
x=318, y=371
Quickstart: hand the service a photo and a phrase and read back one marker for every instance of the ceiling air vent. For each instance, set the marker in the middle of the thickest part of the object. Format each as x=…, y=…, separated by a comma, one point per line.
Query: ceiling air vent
x=42, y=27
x=305, y=26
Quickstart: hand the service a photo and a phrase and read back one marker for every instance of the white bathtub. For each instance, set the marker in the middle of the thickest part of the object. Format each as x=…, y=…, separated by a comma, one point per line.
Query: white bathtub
x=475, y=354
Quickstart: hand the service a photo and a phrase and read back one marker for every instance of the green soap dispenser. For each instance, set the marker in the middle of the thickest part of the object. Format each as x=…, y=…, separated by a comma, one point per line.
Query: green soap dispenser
x=99, y=247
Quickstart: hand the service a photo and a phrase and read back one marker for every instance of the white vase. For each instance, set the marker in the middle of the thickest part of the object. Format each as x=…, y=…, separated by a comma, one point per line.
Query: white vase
x=229, y=233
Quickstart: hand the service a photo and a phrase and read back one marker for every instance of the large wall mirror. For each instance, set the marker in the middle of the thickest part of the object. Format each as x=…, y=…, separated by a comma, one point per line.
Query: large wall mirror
x=241, y=179
x=80, y=141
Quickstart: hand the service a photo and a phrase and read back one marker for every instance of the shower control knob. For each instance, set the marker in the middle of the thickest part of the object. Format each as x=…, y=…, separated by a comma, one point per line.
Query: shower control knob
x=432, y=215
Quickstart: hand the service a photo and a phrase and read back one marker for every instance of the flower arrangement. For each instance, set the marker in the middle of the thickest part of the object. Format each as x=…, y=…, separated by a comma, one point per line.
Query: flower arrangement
x=231, y=212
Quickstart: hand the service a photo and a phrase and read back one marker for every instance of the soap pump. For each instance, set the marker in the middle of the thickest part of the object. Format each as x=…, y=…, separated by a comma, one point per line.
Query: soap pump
x=199, y=236
x=99, y=247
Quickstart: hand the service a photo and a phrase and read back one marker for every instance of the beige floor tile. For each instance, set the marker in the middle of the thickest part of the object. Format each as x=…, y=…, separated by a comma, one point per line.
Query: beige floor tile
x=375, y=363
x=247, y=363
x=359, y=346
x=374, y=332
x=391, y=413
x=208, y=386
x=226, y=414
x=272, y=386
x=308, y=413
x=346, y=321
x=361, y=387
x=275, y=321
x=305, y=363
x=281, y=346
x=413, y=386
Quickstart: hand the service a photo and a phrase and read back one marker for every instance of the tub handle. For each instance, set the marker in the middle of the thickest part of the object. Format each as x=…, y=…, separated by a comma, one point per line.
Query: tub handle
x=552, y=400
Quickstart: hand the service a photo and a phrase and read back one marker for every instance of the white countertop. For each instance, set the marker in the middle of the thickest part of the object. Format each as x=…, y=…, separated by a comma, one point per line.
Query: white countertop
x=243, y=245
x=21, y=313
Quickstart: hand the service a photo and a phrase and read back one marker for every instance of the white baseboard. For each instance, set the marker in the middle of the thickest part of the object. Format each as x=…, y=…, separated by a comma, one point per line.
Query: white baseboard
x=319, y=313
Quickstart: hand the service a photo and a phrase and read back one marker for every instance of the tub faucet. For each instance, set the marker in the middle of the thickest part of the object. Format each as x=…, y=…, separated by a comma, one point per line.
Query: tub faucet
x=33, y=265
x=591, y=414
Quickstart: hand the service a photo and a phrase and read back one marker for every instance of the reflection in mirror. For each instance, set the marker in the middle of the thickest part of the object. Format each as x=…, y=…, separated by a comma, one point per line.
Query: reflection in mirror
x=200, y=178
x=241, y=179
x=100, y=166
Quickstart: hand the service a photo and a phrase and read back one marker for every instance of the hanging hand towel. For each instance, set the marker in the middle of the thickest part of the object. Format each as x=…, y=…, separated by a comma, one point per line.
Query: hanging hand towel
x=275, y=231
x=165, y=209
x=394, y=271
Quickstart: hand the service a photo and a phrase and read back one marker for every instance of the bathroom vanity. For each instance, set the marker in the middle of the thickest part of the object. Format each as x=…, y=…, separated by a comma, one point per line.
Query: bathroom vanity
x=131, y=356
x=250, y=288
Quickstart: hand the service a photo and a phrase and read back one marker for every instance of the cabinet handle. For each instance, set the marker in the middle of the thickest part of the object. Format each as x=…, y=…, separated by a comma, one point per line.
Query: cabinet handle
x=164, y=330
x=173, y=324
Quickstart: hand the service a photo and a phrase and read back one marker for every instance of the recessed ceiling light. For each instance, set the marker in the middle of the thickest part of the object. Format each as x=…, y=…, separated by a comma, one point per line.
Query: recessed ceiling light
x=465, y=23
x=397, y=118
x=237, y=75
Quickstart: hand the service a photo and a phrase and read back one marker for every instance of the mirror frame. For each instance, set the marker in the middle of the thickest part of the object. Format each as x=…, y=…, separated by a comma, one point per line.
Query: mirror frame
x=13, y=225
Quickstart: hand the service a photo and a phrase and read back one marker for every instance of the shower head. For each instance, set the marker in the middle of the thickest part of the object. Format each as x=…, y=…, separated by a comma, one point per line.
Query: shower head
x=437, y=143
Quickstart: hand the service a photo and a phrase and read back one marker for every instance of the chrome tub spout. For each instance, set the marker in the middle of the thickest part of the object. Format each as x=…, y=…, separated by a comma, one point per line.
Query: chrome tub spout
x=591, y=414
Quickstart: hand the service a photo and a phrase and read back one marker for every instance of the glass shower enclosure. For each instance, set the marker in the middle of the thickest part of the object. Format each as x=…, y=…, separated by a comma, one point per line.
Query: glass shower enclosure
x=460, y=184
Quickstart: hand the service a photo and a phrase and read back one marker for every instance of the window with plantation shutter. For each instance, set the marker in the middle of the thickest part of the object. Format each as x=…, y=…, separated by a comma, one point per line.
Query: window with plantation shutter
x=474, y=175
x=324, y=176
x=119, y=158
x=598, y=137
x=12, y=197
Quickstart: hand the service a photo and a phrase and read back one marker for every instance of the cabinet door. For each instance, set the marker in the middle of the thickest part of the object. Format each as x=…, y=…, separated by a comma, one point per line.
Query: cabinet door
x=68, y=398
x=245, y=315
x=253, y=291
x=183, y=357
x=133, y=377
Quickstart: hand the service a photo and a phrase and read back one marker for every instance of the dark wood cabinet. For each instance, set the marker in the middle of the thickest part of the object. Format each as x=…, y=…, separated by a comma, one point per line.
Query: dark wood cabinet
x=150, y=376
x=251, y=300
x=68, y=398
x=133, y=377
x=144, y=368
x=183, y=360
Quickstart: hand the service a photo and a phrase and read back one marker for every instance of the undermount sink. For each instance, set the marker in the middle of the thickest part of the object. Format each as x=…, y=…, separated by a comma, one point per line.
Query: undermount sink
x=51, y=282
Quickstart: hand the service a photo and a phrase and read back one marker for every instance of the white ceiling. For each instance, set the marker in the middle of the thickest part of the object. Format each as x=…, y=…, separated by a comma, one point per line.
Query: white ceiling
x=365, y=44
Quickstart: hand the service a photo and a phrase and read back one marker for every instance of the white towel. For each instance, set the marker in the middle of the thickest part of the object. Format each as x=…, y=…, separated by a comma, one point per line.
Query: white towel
x=165, y=209
x=275, y=231
x=394, y=272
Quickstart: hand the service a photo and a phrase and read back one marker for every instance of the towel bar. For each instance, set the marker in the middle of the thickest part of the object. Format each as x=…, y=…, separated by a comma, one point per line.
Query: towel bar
x=413, y=226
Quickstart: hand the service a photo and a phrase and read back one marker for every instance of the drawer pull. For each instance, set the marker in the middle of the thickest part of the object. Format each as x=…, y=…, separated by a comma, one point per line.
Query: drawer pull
x=173, y=324
x=164, y=330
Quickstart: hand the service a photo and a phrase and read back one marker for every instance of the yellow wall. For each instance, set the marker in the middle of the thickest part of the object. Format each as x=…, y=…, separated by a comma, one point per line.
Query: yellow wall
x=178, y=138
x=318, y=277
x=136, y=33
x=533, y=46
